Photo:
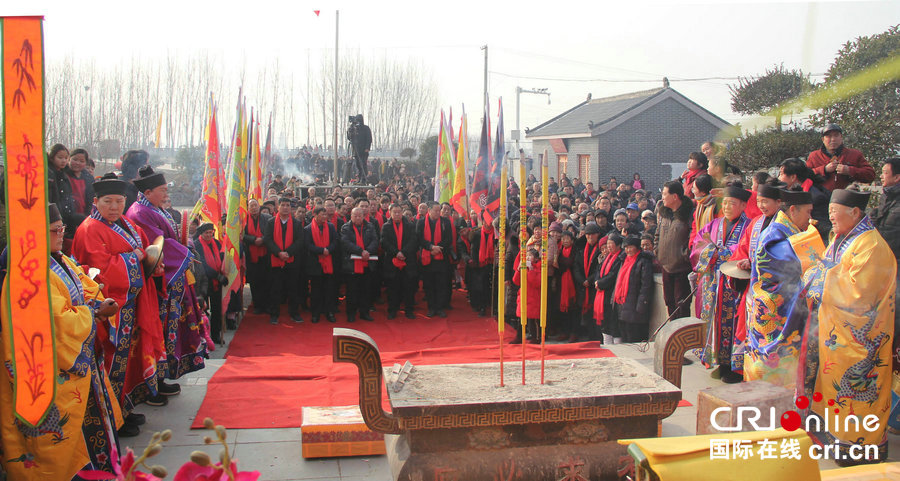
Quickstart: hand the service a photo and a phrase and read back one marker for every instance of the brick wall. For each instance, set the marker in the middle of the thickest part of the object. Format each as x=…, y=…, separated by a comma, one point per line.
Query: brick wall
x=667, y=132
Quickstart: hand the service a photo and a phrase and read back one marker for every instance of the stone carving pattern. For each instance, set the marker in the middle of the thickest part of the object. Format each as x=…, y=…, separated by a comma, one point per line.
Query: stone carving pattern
x=368, y=361
x=661, y=408
x=685, y=338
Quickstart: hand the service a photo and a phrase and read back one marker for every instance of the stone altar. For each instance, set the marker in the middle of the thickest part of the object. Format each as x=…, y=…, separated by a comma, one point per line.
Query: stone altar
x=454, y=422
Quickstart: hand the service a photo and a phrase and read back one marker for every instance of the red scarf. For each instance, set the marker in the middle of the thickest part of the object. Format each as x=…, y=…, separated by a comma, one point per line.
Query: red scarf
x=322, y=238
x=283, y=244
x=435, y=240
x=623, y=278
x=359, y=265
x=600, y=298
x=210, y=252
x=334, y=219
x=567, y=289
x=77, y=184
x=398, y=231
x=253, y=229
x=587, y=271
x=486, y=249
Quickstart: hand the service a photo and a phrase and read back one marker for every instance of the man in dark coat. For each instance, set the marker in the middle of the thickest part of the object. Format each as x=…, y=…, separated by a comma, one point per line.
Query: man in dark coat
x=400, y=244
x=322, y=253
x=886, y=218
x=257, y=255
x=434, y=234
x=675, y=213
x=482, y=267
x=586, y=267
x=284, y=240
x=358, y=239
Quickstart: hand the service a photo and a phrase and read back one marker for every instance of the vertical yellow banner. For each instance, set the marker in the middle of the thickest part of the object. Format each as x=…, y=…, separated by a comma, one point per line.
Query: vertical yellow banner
x=29, y=319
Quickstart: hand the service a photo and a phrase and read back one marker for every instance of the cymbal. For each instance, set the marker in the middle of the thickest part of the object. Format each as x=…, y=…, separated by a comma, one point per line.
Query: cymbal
x=154, y=254
x=731, y=269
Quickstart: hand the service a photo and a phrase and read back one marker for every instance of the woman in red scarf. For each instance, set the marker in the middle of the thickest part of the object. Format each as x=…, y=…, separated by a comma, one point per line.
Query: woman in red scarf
x=605, y=283
x=634, y=292
x=697, y=164
x=569, y=292
x=533, y=259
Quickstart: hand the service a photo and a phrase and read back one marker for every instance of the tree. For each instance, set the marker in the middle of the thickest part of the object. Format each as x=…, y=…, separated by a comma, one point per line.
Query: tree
x=408, y=152
x=763, y=150
x=869, y=118
x=761, y=95
x=428, y=153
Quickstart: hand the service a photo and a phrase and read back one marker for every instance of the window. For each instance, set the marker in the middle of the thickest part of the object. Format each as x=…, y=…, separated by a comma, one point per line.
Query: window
x=584, y=168
x=563, y=164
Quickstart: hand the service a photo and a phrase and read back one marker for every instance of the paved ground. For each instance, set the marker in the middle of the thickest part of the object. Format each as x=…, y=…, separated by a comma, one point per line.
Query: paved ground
x=275, y=453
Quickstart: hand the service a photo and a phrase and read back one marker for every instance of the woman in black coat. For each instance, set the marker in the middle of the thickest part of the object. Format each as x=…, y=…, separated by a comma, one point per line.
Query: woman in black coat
x=605, y=283
x=634, y=292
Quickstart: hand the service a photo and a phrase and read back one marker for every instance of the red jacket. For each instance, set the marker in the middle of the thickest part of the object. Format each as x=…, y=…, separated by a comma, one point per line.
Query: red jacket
x=534, y=290
x=860, y=170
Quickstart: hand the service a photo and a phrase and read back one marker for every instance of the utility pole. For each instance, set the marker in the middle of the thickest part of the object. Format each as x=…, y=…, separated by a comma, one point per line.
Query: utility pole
x=519, y=92
x=486, y=100
x=337, y=26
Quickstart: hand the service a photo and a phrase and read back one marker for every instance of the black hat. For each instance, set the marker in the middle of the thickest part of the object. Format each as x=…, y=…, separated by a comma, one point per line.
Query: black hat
x=830, y=127
x=148, y=179
x=616, y=238
x=54, y=214
x=770, y=190
x=591, y=228
x=109, y=184
x=850, y=198
x=205, y=227
x=632, y=240
x=795, y=197
x=737, y=191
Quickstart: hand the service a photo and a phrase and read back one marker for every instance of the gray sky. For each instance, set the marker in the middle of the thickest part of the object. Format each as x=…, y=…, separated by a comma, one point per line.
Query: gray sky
x=636, y=40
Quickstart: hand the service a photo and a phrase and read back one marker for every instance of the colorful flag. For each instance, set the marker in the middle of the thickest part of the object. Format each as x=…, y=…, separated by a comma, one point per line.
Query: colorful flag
x=256, y=167
x=210, y=206
x=443, y=185
x=460, y=186
x=267, y=159
x=237, y=173
x=493, y=196
x=479, y=199
x=28, y=319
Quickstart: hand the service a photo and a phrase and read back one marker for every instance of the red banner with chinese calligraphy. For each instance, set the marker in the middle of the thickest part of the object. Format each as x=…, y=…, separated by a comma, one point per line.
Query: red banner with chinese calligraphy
x=28, y=318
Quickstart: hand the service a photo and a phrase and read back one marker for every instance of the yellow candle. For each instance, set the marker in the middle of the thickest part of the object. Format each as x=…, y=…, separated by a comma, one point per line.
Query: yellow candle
x=545, y=218
x=523, y=243
x=501, y=257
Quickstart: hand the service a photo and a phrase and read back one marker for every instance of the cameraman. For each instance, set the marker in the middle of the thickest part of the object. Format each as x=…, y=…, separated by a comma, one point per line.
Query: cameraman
x=360, y=137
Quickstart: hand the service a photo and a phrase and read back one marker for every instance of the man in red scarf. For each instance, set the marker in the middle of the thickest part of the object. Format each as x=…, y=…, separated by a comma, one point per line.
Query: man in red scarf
x=209, y=250
x=482, y=272
x=257, y=256
x=359, y=244
x=322, y=251
x=399, y=242
x=284, y=240
x=434, y=234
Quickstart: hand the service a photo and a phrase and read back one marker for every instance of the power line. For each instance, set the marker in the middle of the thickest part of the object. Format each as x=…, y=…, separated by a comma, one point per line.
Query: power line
x=657, y=80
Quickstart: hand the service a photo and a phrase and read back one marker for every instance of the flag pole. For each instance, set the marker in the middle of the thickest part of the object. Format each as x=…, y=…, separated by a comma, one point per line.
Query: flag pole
x=545, y=218
x=523, y=266
x=501, y=266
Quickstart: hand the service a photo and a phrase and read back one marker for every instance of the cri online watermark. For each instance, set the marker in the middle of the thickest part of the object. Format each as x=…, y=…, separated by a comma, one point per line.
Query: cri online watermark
x=831, y=422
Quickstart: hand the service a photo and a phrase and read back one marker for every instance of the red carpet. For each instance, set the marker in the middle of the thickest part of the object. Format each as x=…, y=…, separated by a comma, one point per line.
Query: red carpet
x=271, y=372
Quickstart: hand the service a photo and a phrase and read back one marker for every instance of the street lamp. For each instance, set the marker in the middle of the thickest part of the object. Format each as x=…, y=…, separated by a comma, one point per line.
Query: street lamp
x=519, y=92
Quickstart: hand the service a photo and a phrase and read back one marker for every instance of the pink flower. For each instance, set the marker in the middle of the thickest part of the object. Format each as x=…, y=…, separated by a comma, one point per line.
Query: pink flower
x=121, y=468
x=192, y=471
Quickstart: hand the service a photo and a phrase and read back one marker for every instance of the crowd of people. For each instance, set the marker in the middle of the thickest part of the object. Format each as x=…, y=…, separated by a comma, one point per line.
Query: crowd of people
x=805, y=316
